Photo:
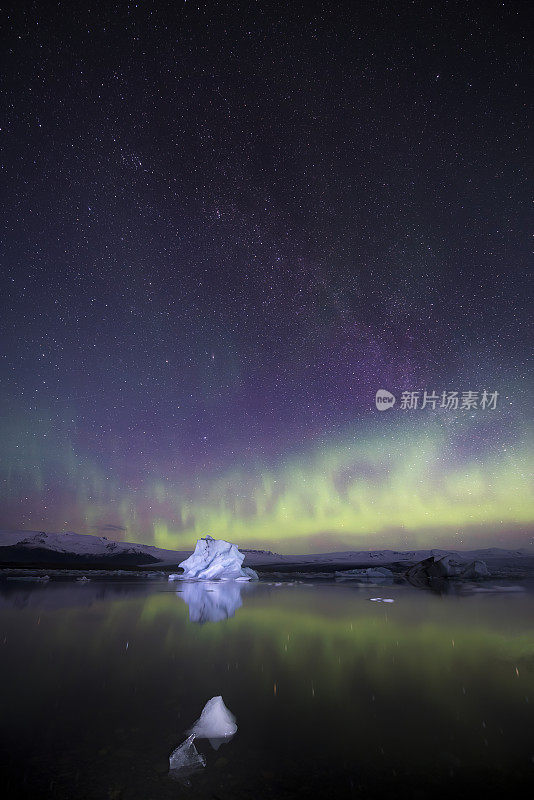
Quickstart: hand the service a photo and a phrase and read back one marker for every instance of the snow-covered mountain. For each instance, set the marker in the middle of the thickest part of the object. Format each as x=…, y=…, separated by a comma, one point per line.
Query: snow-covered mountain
x=38, y=546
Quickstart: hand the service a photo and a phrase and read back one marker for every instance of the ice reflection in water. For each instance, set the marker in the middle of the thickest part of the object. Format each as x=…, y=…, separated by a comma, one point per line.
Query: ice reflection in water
x=212, y=601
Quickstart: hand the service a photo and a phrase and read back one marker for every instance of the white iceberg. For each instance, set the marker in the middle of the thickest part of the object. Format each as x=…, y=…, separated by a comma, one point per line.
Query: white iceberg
x=215, y=559
x=186, y=758
x=216, y=723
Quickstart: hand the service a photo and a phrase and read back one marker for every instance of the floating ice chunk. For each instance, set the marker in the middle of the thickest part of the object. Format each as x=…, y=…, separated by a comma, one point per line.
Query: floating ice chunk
x=212, y=601
x=381, y=599
x=446, y=567
x=369, y=575
x=477, y=569
x=248, y=574
x=216, y=723
x=429, y=569
x=185, y=759
x=215, y=559
x=498, y=588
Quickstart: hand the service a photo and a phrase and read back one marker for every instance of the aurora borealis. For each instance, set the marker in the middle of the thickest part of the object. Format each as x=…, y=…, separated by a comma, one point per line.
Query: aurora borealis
x=224, y=229
x=400, y=485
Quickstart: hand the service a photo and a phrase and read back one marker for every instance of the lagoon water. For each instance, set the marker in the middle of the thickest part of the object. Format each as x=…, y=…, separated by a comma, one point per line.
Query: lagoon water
x=334, y=696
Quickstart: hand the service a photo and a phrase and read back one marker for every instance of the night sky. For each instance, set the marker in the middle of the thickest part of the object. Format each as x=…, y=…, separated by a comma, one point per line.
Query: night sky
x=224, y=227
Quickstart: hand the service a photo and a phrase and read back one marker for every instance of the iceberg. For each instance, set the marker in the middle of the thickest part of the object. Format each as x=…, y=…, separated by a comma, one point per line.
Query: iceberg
x=475, y=570
x=212, y=601
x=448, y=566
x=185, y=759
x=216, y=723
x=214, y=559
x=445, y=567
x=369, y=575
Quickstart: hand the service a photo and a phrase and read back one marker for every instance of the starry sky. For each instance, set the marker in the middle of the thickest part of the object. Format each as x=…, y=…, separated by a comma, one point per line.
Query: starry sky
x=224, y=228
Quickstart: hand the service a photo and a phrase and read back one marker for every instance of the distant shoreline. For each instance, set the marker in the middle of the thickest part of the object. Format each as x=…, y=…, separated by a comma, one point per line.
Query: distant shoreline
x=71, y=551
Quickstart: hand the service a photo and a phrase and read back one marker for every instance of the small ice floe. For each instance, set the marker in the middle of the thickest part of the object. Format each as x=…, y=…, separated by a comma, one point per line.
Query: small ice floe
x=495, y=589
x=369, y=575
x=83, y=579
x=185, y=760
x=214, y=559
x=381, y=600
x=216, y=723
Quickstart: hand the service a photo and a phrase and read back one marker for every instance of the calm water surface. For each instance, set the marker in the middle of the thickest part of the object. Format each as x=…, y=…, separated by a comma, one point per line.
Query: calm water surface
x=334, y=695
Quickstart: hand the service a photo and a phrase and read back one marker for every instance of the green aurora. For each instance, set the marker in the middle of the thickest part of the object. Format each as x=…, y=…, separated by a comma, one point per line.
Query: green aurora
x=439, y=480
